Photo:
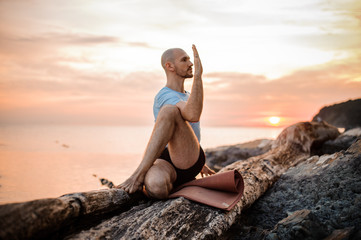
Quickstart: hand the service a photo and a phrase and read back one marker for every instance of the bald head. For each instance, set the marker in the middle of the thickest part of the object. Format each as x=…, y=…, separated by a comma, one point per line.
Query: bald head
x=170, y=55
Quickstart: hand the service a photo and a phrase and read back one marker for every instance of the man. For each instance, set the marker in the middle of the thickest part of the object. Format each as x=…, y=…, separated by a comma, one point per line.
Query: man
x=173, y=155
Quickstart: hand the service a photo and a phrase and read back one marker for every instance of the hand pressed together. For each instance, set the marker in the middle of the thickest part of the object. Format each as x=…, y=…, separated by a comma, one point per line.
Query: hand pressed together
x=198, y=69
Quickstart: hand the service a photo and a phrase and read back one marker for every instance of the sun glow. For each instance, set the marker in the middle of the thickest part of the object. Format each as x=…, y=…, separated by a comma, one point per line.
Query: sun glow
x=274, y=121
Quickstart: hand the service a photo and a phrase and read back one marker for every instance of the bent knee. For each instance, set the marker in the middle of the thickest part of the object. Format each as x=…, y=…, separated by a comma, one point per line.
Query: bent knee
x=157, y=187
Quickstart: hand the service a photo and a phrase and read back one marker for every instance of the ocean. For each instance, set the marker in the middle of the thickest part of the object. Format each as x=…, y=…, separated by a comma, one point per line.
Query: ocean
x=43, y=161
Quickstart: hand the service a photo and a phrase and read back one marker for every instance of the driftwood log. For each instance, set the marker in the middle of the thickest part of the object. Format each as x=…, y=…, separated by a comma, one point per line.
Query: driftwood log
x=170, y=219
x=54, y=217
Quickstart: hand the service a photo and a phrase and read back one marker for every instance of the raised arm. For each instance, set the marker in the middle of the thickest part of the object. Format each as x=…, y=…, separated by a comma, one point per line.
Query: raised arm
x=192, y=109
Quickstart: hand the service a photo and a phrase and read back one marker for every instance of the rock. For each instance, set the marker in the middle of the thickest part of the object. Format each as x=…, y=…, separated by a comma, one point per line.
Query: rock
x=300, y=225
x=340, y=234
x=106, y=182
x=220, y=157
x=343, y=115
x=342, y=142
x=329, y=186
x=243, y=232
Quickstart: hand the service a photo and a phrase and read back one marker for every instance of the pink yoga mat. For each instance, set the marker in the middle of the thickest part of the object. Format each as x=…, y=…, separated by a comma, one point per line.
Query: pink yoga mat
x=221, y=190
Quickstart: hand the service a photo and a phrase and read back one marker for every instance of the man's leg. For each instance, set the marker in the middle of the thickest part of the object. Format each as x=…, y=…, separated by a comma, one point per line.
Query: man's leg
x=159, y=179
x=171, y=129
x=184, y=151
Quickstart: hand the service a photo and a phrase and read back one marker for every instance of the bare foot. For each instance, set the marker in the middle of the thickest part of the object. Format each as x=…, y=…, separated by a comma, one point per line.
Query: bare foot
x=132, y=184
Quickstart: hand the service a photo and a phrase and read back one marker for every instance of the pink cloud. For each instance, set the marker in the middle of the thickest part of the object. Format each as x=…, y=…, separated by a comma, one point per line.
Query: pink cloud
x=230, y=98
x=245, y=99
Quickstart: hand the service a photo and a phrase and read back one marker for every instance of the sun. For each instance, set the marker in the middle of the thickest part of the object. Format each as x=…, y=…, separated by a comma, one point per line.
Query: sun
x=274, y=121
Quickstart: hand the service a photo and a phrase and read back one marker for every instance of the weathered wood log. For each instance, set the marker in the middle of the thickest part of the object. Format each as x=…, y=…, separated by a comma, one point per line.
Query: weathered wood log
x=178, y=218
x=45, y=217
x=183, y=219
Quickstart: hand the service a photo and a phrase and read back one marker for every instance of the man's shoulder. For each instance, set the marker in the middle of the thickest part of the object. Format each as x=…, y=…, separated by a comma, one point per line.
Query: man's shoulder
x=167, y=96
x=165, y=92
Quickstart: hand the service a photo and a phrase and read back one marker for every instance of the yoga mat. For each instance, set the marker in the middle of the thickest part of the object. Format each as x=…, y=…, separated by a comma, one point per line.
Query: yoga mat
x=221, y=190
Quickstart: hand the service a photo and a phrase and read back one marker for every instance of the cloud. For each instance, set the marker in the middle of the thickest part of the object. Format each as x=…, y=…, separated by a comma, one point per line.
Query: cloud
x=248, y=99
x=49, y=92
x=329, y=41
x=76, y=38
x=67, y=38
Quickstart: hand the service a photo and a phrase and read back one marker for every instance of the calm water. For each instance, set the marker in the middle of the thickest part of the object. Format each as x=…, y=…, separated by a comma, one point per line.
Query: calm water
x=39, y=161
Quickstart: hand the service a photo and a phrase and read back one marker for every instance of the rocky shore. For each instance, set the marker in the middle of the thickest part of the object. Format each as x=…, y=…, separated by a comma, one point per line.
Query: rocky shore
x=318, y=198
x=293, y=207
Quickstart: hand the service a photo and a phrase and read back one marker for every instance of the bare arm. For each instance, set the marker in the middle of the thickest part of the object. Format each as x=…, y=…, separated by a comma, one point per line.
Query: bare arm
x=192, y=109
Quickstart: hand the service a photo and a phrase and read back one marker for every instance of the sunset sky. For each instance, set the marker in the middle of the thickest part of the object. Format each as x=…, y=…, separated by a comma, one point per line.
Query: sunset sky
x=98, y=62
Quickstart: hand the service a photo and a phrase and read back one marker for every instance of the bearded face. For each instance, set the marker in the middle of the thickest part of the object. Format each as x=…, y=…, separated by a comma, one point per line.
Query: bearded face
x=183, y=66
x=184, y=73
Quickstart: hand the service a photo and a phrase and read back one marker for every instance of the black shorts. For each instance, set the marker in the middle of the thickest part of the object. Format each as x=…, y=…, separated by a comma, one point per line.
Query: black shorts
x=185, y=175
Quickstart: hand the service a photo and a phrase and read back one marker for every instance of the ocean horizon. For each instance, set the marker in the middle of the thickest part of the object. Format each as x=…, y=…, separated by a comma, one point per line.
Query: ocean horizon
x=42, y=161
